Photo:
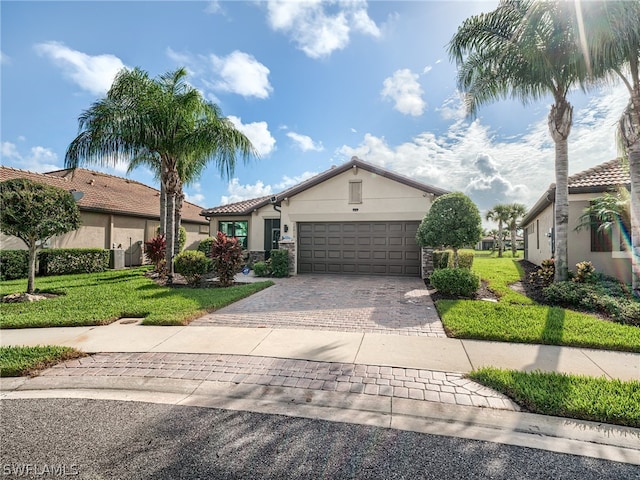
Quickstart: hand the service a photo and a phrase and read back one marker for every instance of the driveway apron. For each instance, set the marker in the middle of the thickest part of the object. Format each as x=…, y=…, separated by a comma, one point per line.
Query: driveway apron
x=389, y=305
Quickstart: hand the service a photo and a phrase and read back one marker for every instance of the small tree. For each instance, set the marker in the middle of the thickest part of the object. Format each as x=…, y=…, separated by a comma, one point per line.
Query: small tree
x=35, y=212
x=453, y=222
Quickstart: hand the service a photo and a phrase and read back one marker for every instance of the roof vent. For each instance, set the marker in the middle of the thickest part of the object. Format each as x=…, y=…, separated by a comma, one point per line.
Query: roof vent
x=332, y=167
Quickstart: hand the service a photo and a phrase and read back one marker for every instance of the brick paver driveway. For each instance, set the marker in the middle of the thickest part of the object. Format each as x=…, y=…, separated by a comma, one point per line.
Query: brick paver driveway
x=394, y=305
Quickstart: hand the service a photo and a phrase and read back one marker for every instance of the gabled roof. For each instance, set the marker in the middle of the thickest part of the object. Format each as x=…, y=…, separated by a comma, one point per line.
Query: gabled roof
x=605, y=177
x=106, y=193
x=247, y=206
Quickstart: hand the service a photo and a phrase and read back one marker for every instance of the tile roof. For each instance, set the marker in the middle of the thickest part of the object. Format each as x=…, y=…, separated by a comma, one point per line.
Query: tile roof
x=608, y=174
x=599, y=179
x=247, y=206
x=106, y=193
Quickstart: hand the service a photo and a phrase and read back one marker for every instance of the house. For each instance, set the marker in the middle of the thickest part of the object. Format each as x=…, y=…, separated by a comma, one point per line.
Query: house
x=606, y=250
x=115, y=212
x=351, y=219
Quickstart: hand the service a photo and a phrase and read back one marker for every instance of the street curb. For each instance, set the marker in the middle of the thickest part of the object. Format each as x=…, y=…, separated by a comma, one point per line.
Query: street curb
x=561, y=435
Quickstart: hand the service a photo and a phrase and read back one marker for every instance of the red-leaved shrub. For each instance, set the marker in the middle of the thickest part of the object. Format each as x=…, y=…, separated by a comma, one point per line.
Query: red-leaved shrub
x=155, y=250
x=226, y=253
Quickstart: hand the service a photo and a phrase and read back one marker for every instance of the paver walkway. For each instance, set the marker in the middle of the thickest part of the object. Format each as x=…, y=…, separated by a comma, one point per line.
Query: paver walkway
x=417, y=384
x=390, y=305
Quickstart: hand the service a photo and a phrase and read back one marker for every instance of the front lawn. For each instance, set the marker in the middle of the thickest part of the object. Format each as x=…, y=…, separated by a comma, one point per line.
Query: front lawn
x=101, y=298
x=574, y=396
x=20, y=361
x=516, y=318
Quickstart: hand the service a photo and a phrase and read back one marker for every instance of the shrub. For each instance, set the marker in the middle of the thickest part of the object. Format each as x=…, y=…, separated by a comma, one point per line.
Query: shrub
x=455, y=281
x=543, y=277
x=14, y=264
x=205, y=246
x=226, y=253
x=585, y=272
x=62, y=261
x=444, y=259
x=192, y=264
x=182, y=238
x=155, y=250
x=280, y=263
x=630, y=313
x=262, y=269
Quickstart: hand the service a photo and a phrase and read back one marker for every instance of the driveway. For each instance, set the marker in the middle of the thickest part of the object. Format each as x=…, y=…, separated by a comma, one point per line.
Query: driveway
x=392, y=305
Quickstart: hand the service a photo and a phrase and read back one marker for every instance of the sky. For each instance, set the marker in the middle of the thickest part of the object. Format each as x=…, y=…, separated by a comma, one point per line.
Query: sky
x=310, y=83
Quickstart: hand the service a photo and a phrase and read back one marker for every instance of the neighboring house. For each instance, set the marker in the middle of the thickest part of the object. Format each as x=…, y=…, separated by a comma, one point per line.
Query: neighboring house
x=607, y=251
x=115, y=212
x=352, y=219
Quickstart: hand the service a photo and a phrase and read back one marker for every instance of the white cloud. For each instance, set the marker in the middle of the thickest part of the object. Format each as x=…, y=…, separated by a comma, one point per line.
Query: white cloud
x=470, y=157
x=427, y=69
x=305, y=143
x=196, y=196
x=4, y=58
x=452, y=108
x=403, y=88
x=241, y=73
x=39, y=159
x=319, y=28
x=213, y=7
x=238, y=192
x=94, y=74
x=258, y=133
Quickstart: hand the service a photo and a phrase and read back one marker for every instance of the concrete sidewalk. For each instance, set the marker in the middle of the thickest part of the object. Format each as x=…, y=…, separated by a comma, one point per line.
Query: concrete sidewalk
x=425, y=353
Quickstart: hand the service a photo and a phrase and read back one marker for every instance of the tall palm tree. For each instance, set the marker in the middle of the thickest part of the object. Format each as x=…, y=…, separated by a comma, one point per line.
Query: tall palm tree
x=500, y=214
x=163, y=122
x=516, y=212
x=611, y=34
x=526, y=50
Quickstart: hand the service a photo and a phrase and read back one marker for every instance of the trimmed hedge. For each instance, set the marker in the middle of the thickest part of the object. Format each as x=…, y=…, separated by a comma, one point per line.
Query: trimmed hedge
x=444, y=259
x=192, y=264
x=205, y=246
x=62, y=261
x=262, y=269
x=14, y=264
x=455, y=281
x=279, y=263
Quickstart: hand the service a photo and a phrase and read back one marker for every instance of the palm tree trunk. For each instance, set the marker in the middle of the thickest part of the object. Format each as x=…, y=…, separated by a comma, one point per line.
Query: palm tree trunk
x=163, y=209
x=514, y=248
x=178, y=219
x=560, y=120
x=630, y=135
x=171, y=180
x=500, y=239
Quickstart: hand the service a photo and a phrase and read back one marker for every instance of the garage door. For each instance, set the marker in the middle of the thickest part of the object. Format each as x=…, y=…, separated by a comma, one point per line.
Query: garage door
x=359, y=248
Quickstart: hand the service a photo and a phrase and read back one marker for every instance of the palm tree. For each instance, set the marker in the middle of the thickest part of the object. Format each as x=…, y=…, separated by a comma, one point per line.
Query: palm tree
x=500, y=214
x=612, y=37
x=526, y=50
x=162, y=122
x=516, y=212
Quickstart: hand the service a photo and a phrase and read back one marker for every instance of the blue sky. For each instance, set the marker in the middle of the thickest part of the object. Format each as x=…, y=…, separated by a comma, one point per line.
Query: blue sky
x=310, y=83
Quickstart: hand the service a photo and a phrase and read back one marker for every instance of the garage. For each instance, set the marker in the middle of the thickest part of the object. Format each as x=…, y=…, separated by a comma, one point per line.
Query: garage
x=359, y=248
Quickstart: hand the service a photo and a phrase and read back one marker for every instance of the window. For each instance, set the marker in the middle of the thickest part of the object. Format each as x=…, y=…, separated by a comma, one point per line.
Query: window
x=600, y=237
x=235, y=229
x=355, y=191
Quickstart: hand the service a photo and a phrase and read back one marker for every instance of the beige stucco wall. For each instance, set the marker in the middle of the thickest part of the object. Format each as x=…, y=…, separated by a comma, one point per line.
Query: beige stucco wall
x=616, y=263
x=538, y=243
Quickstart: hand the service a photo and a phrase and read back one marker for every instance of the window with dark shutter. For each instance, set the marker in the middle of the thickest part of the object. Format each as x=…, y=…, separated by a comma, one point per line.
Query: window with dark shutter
x=600, y=237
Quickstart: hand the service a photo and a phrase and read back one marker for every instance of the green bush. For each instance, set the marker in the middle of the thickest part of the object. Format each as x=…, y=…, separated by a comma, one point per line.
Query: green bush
x=444, y=259
x=14, y=264
x=585, y=272
x=226, y=253
x=205, y=246
x=543, y=277
x=630, y=313
x=192, y=264
x=63, y=261
x=455, y=281
x=182, y=238
x=262, y=269
x=280, y=263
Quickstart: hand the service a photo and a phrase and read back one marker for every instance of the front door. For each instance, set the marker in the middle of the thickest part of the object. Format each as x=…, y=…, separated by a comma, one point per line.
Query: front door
x=271, y=236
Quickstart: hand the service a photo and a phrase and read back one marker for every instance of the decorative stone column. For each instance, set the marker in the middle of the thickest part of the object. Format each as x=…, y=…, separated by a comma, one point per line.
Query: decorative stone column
x=290, y=246
x=427, y=262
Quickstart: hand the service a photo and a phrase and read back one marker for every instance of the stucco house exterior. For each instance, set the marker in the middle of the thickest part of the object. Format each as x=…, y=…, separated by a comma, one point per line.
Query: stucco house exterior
x=607, y=251
x=116, y=213
x=355, y=218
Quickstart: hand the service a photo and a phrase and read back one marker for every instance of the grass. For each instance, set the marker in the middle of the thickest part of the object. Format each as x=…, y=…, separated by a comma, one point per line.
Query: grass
x=20, y=361
x=516, y=318
x=585, y=398
x=101, y=298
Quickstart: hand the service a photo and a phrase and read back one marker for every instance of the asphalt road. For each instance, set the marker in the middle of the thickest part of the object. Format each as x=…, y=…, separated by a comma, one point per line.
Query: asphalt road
x=78, y=438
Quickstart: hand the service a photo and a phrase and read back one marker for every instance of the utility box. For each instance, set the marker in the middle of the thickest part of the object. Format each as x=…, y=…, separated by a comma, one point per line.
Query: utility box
x=116, y=259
